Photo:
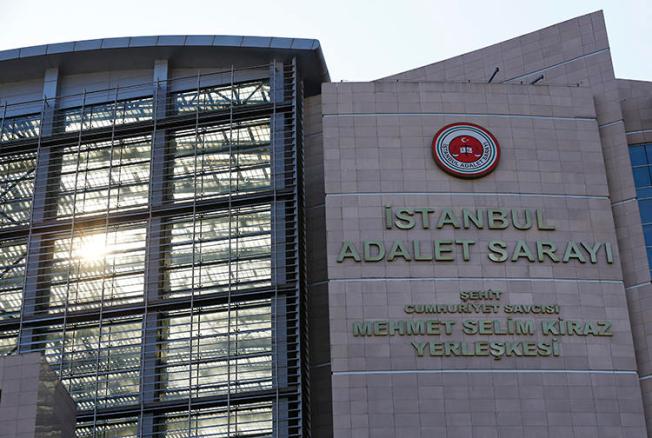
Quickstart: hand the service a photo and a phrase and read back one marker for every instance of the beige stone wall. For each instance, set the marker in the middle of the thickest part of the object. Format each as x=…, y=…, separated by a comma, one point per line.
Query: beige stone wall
x=33, y=403
x=636, y=104
x=575, y=52
x=564, y=143
x=377, y=151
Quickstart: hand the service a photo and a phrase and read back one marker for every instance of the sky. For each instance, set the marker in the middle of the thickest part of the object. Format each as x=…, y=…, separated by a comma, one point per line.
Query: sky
x=361, y=39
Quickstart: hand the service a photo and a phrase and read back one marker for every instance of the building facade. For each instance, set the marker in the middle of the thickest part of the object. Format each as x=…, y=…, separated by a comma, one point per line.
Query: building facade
x=151, y=228
x=34, y=402
x=512, y=304
x=203, y=236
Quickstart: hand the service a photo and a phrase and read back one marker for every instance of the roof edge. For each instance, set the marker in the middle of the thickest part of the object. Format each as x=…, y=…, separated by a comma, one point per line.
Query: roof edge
x=234, y=41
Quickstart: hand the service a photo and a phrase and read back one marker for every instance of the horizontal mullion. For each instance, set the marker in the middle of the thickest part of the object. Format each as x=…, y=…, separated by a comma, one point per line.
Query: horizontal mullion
x=167, y=210
x=161, y=305
x=196, y=403
x=189, y=120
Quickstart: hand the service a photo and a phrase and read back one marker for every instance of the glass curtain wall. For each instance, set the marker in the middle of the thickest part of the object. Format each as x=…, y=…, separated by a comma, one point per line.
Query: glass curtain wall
x=20, y=127
x=641, y=158
x=13, y=253
x=16, y=188
x=218, y=251
x=104, y=177
x=96, y=268
x=216, y=350
x=221, y=159
x=107, y=114
x=161, y=320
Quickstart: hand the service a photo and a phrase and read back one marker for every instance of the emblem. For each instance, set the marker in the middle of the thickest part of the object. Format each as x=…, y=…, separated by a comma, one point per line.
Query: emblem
x=465, y=150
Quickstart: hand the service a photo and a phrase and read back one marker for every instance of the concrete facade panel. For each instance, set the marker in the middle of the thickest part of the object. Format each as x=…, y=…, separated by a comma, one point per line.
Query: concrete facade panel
x=414, y=320
x=480, y=404
x=562, y=143
x=33, y=402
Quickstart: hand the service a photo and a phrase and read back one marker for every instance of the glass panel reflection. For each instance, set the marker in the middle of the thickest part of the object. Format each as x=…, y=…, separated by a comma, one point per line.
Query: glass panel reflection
x=106, y=114
x=104, y=177
x=234, y=421
x=641, y=159
x=18, y=128
x=16, y=188
x=112, y=428
x=215, y=350
x=98, y=363
x=221, y=97
x=97, y=268
x=12, y=277
x=224, y=250
x=221, y=159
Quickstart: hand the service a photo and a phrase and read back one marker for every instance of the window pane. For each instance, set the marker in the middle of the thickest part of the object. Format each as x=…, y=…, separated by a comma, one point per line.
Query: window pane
x=104, y=177
x=221, y=97
x=224, y=250
x=17, y=128
x=221, y=159
x=97, y=268
x=96, y=361
x=215, y=350
x=234, y=421
x=648, y=152
x=113, y=428
x=644, y=192
x=106, y=114
x=16, y=188
x=642, y=176
x=12, y=277
x=8, y=342
x=646, y=210
x=637, y=155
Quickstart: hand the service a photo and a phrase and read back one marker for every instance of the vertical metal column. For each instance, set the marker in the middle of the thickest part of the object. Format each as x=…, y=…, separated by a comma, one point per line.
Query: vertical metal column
x=301, y=304
x=39, y=251
x=2, y=119
x=278, y=83
x=278, y=176
x=154, y=257
x=105, y=272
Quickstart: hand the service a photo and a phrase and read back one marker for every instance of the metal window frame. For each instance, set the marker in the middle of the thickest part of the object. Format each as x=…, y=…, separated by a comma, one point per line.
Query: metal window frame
x=285, y=292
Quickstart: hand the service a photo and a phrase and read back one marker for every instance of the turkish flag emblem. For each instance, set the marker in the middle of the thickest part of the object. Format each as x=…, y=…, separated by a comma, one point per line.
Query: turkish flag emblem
x=466, y=149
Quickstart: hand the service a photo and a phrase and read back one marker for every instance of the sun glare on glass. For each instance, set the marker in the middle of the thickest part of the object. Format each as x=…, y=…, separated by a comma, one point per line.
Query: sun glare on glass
x=91, y=248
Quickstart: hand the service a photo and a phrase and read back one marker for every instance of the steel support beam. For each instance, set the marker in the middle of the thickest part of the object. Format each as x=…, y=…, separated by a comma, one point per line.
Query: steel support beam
x=39, y=252
x=156, y=238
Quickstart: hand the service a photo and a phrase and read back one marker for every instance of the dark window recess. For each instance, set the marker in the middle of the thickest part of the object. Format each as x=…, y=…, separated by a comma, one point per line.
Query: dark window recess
x=641, y=159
